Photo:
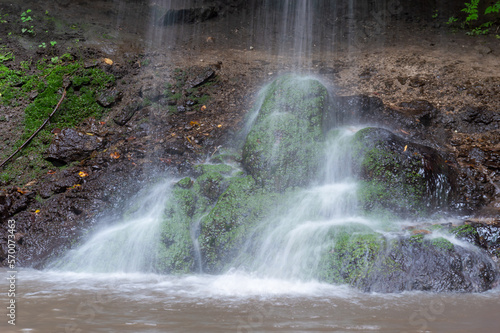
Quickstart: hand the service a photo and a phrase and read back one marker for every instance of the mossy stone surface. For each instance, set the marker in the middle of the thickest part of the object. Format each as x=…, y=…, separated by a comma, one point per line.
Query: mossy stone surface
x=354, y=250
x=284, y=146
x=404, y=178
x=237, y=212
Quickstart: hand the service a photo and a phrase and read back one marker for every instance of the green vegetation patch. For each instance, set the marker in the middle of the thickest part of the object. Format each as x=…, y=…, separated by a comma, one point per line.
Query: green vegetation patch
x=40, y=86
x=353, y=252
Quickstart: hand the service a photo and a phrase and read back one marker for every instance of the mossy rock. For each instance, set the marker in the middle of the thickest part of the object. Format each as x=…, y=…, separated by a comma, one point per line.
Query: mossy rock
x=405, y=178
x=191, y=199
x=352, y=254
x=237, y=212
x=372, y=262
x=176, y=252
x=284, y=146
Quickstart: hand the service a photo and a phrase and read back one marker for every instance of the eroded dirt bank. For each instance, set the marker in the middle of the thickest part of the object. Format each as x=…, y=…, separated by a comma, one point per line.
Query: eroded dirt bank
x=181, y=93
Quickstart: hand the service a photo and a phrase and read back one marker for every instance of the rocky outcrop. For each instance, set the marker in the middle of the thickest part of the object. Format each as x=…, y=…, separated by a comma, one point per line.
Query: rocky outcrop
x=71, y=145
x=372, y=262
x=397, y=175
x=284, y=145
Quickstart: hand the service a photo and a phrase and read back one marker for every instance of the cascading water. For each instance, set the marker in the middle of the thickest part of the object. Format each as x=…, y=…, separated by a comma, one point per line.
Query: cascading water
x=127, y=246
x=293, y=242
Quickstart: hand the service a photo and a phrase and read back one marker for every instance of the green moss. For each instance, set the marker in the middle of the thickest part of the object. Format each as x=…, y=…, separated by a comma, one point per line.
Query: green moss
x=175, y=253
x=185, y=183
x=46, y=80
x=442, y=243
x=237, y=211
x=352, y=255
x=465, y=230
x=223, y=169
x=393, y=178
x=416, y=239
x=284, y=146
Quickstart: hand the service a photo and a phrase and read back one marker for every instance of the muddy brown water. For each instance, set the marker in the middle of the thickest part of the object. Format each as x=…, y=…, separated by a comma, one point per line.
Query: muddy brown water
x=51, y=301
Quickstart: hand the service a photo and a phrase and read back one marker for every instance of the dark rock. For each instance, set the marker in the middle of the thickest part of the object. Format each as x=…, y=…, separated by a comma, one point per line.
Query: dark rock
x=188, y=16
x=108, y=97
x=59, y=183
x=71, y=145
x=436, y=265
x=404, y=177
x=127, y=112
x=198, y=76
x=175, y=150
x=353, y=109
x=367, y=260
x=481, y=234
x=422, y=110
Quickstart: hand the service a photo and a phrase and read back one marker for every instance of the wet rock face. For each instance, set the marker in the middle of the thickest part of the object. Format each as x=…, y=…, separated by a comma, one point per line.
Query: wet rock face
x=483, y=235
x=71, y=145
x=367, y=260
x=283, y=147
x=403, y=177
x=430, y=265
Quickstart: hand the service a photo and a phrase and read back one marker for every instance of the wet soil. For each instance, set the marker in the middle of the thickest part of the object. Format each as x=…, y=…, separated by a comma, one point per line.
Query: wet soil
x=428, y=84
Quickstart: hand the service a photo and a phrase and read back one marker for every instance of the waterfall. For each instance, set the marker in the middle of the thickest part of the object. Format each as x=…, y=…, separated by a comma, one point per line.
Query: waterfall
x=290, y=245
x=127, y=246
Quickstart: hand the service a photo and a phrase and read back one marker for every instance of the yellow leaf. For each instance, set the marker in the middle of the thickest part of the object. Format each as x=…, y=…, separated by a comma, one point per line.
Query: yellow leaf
x=89, y=134
x=194, y=123
x=108, y=61
x=203, y=108
x=405, y=148
x=219, y=126
x=37, y=211
x=83, y=174
x=115, y=155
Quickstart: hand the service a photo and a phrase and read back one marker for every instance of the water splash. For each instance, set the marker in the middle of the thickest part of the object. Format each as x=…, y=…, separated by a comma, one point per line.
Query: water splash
x=129, y=246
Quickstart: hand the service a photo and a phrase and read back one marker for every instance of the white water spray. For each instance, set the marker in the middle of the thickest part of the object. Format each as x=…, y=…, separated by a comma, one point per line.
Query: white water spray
x=129, y=246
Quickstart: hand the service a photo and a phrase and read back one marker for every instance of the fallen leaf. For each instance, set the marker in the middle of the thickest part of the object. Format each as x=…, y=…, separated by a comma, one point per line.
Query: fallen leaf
x=405, y=132
x=37, y=211
x=74, y=186
x=31, y=183
x=51, y=172
x=89, y=134
x=203, y=108
x=102, y=122
x=21, y=190
x=194, y=123
x=108, y=61
x=115, y=155
x=405, y=148
x=219, y=126
x=83, y=174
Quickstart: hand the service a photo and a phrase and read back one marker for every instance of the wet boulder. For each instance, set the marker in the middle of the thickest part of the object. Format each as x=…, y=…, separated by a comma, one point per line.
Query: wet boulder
x=372, y=262
x=484, y=234
x=284, y=146
x=404, y=178
x=71, y=145
x=127, y=112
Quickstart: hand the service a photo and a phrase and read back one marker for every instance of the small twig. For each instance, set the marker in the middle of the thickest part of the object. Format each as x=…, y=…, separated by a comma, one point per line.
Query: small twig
x=36, y=132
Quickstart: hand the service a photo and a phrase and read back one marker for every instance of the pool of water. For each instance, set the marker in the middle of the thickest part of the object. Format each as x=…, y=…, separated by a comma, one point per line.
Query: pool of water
x=51, y=301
